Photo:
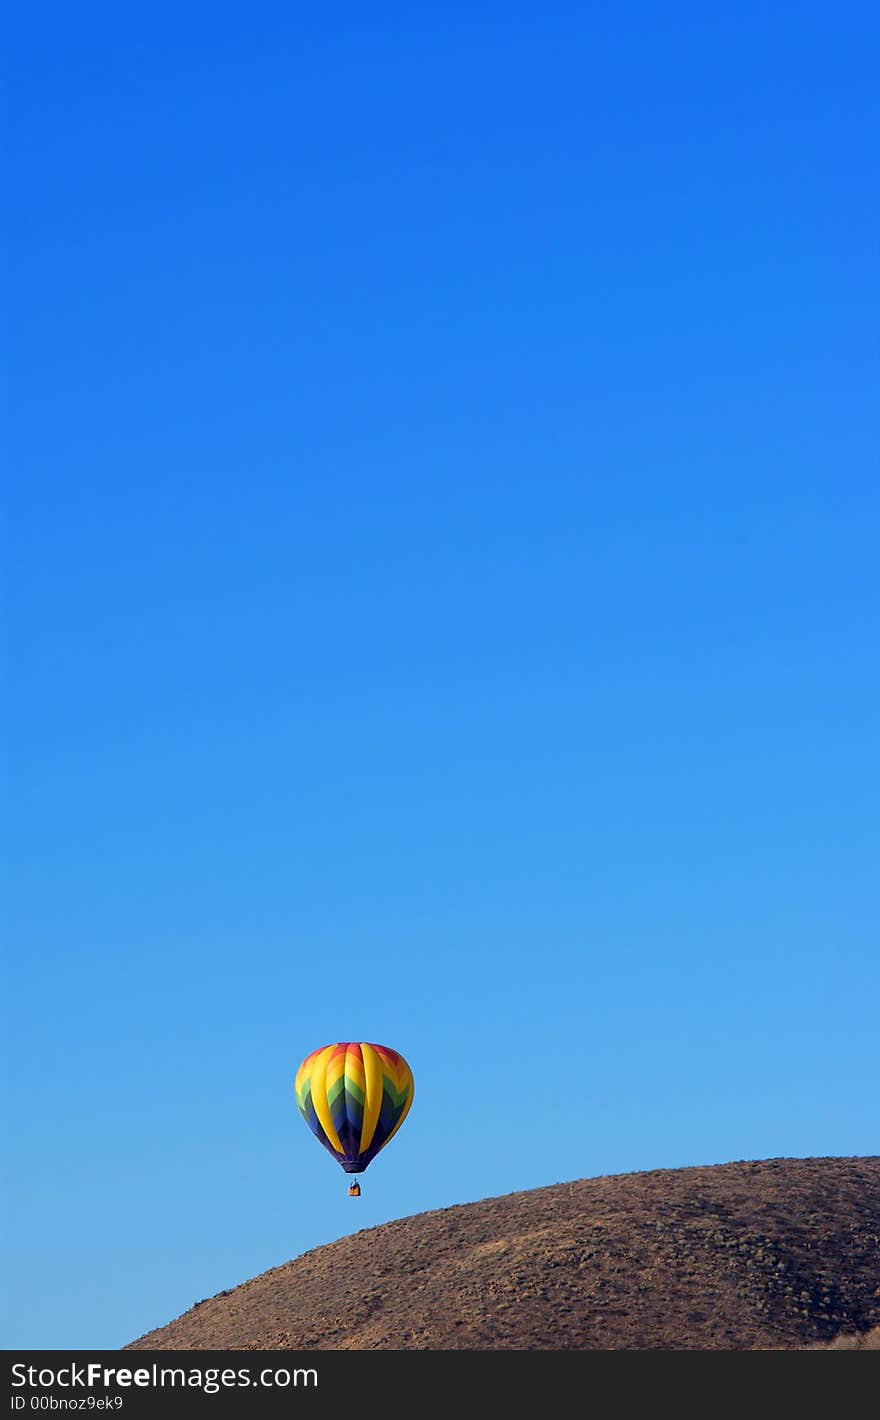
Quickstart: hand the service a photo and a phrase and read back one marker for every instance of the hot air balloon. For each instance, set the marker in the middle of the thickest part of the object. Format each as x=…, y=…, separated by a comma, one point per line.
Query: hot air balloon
x=354, y=1096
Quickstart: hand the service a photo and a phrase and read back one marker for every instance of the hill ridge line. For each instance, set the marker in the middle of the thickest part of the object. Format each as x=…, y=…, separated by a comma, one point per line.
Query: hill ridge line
x=746, y=1254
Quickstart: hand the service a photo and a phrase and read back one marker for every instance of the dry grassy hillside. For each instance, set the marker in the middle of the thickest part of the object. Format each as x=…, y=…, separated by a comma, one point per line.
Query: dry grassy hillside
x=779, y=1253
x=862, y=1341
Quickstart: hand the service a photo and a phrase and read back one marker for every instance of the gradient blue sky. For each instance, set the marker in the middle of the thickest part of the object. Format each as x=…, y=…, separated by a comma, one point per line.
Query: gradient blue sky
x=442, y=597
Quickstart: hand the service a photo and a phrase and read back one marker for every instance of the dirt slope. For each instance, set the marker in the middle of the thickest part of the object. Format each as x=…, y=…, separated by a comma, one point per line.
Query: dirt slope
x=769, y=1254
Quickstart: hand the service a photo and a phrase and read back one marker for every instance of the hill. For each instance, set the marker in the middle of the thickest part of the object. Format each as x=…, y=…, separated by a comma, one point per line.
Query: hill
x=770, y=1254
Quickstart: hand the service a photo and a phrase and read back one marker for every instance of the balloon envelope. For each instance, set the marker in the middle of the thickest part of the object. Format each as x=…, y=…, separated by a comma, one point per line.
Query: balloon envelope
x=354, y=1096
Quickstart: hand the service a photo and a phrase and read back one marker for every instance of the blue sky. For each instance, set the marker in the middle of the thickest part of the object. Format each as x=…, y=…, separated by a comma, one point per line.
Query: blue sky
x=442, y=610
